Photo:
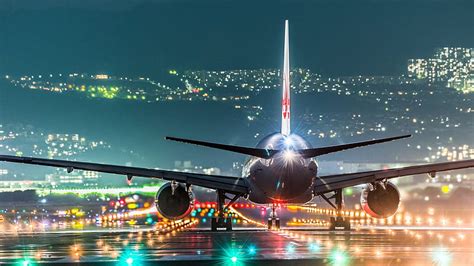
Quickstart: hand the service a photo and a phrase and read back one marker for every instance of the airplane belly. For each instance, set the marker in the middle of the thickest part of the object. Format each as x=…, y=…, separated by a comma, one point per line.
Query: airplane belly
x=270, y=183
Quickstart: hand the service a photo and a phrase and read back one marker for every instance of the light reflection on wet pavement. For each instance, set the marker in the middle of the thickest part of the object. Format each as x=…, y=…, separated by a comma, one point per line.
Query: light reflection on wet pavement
x=180, y=245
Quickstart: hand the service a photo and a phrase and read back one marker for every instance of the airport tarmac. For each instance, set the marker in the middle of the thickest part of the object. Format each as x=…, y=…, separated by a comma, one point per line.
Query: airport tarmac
x=306, y=246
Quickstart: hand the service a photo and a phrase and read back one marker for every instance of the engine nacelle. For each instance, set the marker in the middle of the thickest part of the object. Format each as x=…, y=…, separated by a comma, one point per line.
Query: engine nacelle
x=380, y=202
x=174, y=204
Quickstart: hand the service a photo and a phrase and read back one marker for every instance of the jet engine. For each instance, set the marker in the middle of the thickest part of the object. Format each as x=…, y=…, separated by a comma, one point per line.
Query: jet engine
x=174, y=200
x=380, y=201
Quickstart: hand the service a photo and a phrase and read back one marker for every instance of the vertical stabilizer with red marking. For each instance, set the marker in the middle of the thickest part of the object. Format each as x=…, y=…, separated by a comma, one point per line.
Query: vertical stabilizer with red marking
x=285, y=103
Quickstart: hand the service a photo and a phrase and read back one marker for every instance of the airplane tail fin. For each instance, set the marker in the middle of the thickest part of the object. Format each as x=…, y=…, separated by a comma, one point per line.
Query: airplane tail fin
x=285, y=103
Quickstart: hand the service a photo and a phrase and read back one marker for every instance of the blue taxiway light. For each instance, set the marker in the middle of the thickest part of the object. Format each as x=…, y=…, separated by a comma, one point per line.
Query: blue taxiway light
x=290, y=248
x=313, y=247
x=252, y=250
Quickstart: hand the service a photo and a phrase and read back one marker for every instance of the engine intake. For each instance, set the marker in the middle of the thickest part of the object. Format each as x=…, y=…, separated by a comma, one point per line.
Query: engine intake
x=174, y=205
x=380, y=202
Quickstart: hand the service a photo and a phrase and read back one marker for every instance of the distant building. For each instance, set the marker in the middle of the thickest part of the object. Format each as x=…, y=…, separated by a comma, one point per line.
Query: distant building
x=77, y=178
x=453, y=66
x=101, y=76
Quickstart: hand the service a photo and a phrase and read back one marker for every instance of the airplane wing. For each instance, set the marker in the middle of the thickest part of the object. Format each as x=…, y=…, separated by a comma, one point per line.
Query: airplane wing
x=228, y=184
x=330, y=183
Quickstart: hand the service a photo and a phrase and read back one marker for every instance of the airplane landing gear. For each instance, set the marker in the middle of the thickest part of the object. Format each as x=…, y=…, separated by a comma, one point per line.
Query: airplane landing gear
x=337, y=222
x=273, y=221
x=222, y=221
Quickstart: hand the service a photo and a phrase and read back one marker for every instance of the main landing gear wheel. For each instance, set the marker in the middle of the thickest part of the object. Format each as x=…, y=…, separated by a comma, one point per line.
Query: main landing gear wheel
x=217, y=222
x=273, y=221
x=337, y=222
x=223, y=220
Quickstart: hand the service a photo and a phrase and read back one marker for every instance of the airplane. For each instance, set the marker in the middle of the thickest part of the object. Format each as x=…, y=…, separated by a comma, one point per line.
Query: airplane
x=281, y=169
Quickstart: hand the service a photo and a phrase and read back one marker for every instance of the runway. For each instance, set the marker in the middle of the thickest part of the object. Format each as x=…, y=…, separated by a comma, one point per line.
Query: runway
x=249, y=246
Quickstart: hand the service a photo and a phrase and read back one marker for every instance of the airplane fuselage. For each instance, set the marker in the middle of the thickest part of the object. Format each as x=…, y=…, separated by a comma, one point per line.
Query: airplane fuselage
x=286, y=177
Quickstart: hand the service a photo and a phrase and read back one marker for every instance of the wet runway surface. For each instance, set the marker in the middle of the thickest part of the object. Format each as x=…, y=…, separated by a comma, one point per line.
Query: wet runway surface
x=142, y=246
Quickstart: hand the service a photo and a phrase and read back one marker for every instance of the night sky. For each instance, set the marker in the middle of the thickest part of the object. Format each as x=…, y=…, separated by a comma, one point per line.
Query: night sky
x=148, y=36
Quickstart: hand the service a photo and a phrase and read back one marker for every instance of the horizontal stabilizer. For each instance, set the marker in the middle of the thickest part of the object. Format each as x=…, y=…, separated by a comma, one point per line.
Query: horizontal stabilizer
x=309, y=153
x=261, y=153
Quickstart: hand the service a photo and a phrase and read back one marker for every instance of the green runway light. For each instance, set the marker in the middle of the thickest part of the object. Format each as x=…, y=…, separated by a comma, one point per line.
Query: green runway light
x=339, y=258
x=130, y=257
x=233, y=256
x=348, y=191
x=25, y=261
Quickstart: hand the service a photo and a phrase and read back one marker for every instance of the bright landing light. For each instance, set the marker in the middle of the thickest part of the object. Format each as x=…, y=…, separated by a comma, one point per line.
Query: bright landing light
x=288, y=142
x=288, y=155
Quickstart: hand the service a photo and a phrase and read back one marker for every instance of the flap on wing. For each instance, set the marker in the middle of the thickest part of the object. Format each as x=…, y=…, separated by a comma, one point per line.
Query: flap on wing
x=329, y=183
x=226, y=183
